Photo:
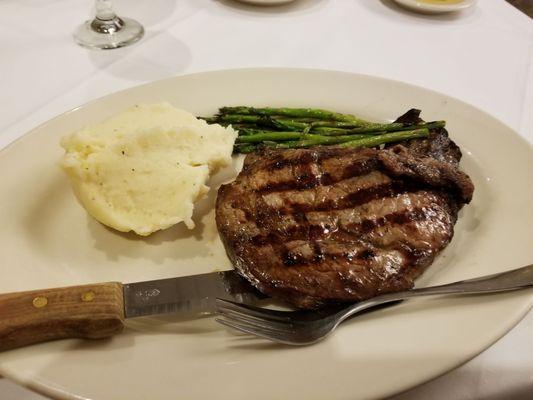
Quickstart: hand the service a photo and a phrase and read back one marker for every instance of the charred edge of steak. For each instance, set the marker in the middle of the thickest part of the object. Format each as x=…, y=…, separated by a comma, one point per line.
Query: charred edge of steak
x=411, y=117
x=428, y=171
x=438, y=145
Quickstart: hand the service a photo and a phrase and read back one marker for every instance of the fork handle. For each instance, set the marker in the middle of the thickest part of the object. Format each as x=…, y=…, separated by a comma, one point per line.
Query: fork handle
x=501, y=282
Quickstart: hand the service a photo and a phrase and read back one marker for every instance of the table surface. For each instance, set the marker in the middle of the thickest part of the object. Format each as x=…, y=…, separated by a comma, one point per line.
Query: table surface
x=483, y=56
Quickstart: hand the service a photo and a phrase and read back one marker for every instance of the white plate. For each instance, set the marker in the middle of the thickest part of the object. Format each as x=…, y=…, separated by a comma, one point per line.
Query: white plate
x=47, y=240
x=435, y=8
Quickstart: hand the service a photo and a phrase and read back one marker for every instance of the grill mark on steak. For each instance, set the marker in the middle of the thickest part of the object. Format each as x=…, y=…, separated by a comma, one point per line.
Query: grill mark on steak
x=313, y=231
x=398, y=218
x=281, y=161
x=300, y=253
x=322, y=225
x=351, y=200
x=314, y=259
x=307, y=178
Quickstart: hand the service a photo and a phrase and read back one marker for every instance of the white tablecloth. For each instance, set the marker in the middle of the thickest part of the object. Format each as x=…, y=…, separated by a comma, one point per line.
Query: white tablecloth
x=483, y=56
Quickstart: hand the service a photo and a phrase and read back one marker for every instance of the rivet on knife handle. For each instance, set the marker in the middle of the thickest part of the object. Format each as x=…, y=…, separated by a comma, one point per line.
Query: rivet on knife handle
x=89, y=311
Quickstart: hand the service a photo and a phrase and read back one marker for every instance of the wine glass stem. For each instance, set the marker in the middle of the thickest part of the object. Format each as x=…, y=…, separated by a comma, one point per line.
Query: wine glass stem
x=104, y=10
x=106, y=21
x=107, y=30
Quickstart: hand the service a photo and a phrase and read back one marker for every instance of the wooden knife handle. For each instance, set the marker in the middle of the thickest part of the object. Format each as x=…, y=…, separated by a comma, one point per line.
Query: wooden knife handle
x=88, y=311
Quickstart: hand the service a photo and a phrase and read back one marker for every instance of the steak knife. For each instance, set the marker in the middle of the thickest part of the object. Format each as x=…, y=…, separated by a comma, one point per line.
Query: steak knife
x=98, y=310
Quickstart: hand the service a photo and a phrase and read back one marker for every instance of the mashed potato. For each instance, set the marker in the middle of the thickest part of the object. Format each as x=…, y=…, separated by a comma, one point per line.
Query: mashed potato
x=143, y=169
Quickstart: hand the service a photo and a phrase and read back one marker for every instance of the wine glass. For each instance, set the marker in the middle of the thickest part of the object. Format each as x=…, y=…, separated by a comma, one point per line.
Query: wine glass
x=107, y=30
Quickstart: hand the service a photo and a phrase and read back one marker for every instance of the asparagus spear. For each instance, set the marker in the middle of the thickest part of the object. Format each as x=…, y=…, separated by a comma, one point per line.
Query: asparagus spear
x=305, y=127
x=266, y=136
x=315, y=113
x=345, y=141
x=289, y=124
x=258, y=120
x=238, y=119
x=244, y=149
x=315, y=140
x=376, y=129
x=275, y=137
x=257, y=136
x=244, y=122
x=387, y=138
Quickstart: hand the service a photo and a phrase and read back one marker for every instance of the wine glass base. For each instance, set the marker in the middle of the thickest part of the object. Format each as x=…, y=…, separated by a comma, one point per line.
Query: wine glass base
x=123, y=32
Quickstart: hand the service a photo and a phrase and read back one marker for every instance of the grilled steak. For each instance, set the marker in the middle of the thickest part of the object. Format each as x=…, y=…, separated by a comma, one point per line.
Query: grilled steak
x=331, y=224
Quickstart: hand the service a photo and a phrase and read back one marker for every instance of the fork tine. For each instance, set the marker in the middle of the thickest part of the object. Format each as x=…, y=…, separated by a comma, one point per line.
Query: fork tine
x=255, y=322
x=263, y=313
x=253, y=331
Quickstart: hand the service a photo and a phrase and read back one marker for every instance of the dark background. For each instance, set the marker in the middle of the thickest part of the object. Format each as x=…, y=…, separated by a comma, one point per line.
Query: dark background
x=525, y=6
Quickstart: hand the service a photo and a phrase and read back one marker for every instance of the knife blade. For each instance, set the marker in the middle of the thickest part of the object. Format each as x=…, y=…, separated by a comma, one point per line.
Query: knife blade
x=188, y=294
x=98, y=310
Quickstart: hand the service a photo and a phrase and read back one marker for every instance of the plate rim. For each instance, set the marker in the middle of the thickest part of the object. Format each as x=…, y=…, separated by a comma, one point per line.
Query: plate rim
x=267, y=69
x=419, y=6
x=59, y=394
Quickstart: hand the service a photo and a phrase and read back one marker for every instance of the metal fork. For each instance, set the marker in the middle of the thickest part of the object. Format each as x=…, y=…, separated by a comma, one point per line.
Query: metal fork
x=308, y=327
